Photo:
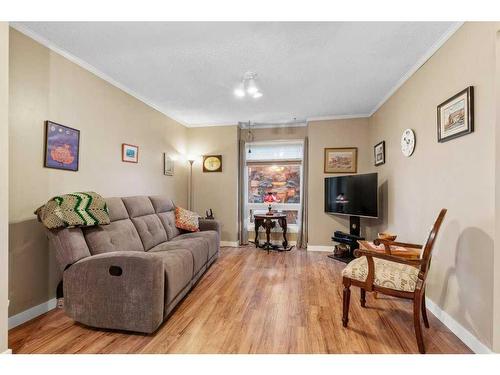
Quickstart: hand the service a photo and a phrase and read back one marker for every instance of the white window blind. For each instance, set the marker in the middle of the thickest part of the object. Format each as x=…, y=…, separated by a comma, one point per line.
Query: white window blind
x=266, y=151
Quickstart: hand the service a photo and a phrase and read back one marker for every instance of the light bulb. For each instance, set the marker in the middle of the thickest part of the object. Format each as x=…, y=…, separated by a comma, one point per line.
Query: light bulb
x=239, y=92
x=257, y=95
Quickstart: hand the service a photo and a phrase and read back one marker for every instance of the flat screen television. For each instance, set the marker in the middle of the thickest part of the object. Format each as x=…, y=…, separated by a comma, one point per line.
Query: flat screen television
x=355, y=195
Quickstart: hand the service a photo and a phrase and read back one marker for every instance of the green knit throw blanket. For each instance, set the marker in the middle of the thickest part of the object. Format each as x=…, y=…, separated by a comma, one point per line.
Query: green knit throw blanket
x=74, y=210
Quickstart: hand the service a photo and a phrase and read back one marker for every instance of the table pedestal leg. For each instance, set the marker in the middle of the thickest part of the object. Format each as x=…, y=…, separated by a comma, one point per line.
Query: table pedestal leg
x=284, y=229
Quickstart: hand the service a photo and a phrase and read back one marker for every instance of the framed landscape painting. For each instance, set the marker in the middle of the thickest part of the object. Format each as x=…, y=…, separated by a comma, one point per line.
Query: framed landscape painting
x=341, y=160
x=62, y=147
x=455, y=116
x=130, y=153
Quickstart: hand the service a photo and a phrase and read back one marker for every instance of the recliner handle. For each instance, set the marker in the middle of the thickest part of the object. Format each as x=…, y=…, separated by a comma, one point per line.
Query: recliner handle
x=115, y=271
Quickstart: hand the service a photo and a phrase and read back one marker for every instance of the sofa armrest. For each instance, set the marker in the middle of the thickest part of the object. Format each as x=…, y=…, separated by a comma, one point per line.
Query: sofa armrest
x=209, y=224
x=118, y=290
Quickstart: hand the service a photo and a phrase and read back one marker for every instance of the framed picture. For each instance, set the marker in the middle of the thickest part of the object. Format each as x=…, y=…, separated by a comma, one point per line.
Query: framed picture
x=379, y=153
x=168, y=165
x=130, y=153
x=455, y=116
x=212, y=163
x=62, y=147
x=341, y=160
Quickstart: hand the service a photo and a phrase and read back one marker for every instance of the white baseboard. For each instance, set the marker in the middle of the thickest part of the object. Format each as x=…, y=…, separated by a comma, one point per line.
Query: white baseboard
x=463, y=334
x=32, y=313
x=8, y=351
x=320, y=248
x=230, y=243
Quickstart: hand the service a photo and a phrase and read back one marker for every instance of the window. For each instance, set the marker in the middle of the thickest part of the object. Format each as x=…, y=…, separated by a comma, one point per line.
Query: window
x=274, y=167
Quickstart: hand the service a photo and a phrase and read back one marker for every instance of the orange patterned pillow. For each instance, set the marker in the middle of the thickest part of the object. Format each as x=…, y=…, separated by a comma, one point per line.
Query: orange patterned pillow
x=187, y=220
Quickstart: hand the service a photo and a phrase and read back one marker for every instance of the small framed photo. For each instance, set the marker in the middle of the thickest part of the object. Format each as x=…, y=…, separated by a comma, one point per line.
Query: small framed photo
x=130, y=153
x=379, y=153
x=168, y=165
x=62, y=147
x=341, y=160
x=455, y=116
x=212, y=163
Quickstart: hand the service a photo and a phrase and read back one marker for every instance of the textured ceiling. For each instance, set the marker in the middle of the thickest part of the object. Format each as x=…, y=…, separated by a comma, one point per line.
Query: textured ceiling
x=306, y=70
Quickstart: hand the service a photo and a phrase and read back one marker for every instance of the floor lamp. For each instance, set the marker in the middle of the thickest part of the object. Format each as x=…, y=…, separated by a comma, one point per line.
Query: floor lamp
x=190, y=196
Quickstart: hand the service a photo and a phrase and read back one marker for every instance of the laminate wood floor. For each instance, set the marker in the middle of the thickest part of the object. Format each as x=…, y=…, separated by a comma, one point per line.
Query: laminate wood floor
x=253, y=302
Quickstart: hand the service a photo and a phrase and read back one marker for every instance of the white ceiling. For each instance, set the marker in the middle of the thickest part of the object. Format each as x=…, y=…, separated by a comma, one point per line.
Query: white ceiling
x=306, y=70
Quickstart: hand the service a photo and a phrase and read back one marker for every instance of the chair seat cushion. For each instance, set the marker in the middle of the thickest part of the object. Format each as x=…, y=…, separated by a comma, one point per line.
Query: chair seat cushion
x=388, y=274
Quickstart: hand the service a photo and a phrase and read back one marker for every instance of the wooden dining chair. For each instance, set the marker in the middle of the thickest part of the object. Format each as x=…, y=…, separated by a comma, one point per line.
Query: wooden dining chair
x=394, y=276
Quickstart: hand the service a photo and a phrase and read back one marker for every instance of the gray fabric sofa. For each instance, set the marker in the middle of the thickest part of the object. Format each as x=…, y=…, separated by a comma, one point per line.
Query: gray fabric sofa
x=130, y=274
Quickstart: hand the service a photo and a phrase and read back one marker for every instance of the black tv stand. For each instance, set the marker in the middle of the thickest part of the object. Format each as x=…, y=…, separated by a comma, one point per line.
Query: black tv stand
x=354, y=225
x=350, y=239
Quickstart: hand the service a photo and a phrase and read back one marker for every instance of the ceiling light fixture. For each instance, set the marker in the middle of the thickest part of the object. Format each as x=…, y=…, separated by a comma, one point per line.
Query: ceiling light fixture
x=248, y=86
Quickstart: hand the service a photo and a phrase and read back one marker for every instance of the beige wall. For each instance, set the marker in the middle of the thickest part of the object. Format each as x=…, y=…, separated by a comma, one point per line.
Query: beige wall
x=217, y=190
x=331, y=134
x=46, y=86
x=4, y=180
x=458, y=175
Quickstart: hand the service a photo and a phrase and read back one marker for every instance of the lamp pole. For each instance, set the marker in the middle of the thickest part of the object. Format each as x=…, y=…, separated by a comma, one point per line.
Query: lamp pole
x=190, y=197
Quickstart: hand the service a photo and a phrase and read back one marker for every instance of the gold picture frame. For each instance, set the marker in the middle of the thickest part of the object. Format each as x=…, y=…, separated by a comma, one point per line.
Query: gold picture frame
x=341, y=160
x=212, y=163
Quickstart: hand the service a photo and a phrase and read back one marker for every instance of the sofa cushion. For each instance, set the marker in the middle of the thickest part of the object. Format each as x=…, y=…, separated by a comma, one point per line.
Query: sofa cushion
x=178, y=265
x=210, y=236
x=198, y=247
x=162, y=203
x=387, y=274
x=120, y=235
x=138, y=206
x=150, y=230
x=168, y=221
x=116, y=208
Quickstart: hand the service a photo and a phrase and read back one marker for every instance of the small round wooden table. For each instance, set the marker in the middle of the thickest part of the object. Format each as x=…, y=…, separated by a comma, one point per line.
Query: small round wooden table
x=268, y=222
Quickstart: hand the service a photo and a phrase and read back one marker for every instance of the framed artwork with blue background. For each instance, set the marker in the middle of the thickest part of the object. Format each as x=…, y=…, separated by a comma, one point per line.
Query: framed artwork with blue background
x=130, y=153
x=62, y=147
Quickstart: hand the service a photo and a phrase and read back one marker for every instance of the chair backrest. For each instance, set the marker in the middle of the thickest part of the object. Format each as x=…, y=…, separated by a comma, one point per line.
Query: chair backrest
x=429, y=244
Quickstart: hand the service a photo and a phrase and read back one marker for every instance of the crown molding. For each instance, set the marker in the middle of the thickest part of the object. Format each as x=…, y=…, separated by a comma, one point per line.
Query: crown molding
x=337, y=117
x=431, y=51
x=92, y=69
x=271, y=125
x=211, y=124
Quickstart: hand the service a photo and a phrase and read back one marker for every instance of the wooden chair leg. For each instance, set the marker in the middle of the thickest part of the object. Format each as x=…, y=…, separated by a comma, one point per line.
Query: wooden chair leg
x=347, y=297
x=417, y=308
x=424, y=311
x=363, y=297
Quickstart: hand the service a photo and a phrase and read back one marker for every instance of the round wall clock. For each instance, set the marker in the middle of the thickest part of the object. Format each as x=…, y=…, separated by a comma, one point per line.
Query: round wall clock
x=212, y=163
x=408, y=142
